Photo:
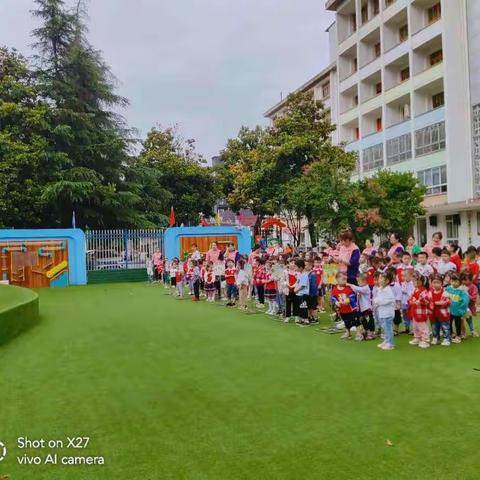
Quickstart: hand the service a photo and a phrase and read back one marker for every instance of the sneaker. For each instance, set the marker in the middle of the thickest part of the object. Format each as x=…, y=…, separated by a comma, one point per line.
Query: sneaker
x=370, y=337
x=314, y=321
x=387, y=346
x=286, y=320
x=474, y=334
x=381, y=345
x=359, y=338
x=424, y=345
x=445, y=343
x=456, y=340
x=414, y=341
x=434, y=341
x=346, y=336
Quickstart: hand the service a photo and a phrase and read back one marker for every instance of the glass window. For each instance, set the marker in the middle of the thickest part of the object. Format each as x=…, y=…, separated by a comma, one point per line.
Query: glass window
x=373, y=157
x=436, y=57
x=326, y=90
x=434, y=13
x=399, y=149
x=405, y=74
x=438, y=100
x=435, y=179
x=452, y=227
x=430, y=139
x=403, y=32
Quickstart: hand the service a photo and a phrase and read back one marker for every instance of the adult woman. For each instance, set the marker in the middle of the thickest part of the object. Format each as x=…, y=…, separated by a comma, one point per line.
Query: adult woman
x=348, y=258
x=412, y=248
x=395, y=245
x=213, y=255
x=232, y=253
x=437, y=241
x=369, y=249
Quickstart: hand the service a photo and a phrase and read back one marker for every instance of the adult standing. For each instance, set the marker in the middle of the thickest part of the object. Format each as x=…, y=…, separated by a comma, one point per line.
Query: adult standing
x=232, y=253
x=348, y=258
x=157, y=263
x=215, y=256
x=436, y=242
x=395, y=246
x=412, y=247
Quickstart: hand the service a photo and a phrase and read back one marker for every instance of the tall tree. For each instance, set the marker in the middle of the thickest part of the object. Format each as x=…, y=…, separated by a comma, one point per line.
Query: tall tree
x=74, y=78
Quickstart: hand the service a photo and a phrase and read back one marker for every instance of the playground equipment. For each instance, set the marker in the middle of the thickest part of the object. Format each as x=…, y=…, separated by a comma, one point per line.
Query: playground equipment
x=178, y=241
x=42, y=258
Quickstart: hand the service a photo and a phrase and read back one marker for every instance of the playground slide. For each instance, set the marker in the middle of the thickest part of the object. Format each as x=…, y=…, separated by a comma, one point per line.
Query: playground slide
x=57, y=269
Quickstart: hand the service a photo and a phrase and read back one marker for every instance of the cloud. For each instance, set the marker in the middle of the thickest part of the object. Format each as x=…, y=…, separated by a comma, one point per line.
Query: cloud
x=209, y=65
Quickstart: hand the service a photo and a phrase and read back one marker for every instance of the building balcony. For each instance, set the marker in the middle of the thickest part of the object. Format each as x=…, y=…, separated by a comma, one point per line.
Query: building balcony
x=428, y=76
x=349, y=115
x=427, y=33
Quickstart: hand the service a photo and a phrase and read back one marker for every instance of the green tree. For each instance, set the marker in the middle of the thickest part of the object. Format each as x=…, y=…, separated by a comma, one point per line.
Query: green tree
x=94, y=140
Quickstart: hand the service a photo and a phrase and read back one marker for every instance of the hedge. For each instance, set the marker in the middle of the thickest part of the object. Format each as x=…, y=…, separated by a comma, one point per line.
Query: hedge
x=19, y=311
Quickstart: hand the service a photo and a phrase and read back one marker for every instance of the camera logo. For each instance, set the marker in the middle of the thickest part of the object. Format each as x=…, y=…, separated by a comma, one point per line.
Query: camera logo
x=3, y=451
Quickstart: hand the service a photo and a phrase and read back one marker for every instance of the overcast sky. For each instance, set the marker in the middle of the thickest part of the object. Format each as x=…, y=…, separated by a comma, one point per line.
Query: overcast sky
x=209, y=65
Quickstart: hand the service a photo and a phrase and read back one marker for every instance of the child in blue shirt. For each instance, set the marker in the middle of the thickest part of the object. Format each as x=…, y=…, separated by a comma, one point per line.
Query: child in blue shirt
x=458, y=307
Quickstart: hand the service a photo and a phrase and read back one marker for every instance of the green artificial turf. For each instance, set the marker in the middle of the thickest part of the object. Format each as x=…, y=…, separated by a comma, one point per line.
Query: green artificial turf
x=171, y=389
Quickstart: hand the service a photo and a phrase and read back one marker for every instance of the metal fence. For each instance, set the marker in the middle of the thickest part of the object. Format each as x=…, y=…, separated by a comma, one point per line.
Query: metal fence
x=121, y=249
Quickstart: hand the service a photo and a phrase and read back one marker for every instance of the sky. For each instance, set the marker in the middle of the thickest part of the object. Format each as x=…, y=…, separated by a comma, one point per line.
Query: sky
x=209, y=66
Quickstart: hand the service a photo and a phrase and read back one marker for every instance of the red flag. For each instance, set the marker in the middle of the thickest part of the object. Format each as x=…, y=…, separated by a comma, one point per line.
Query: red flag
x=172, y=218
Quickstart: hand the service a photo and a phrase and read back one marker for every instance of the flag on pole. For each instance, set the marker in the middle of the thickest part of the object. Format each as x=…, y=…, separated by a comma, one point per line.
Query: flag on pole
x=172, y=218
x=74, y=221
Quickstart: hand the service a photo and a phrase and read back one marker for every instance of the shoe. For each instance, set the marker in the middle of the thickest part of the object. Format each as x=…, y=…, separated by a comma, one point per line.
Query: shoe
x=424, y=345
x=370, y=337
x=286, y=320
x=414, y=342
x=195, y=299
x=346, y=336
x=381, y=345
x=434, y=341
x=405, y=332
x=359, y=338
x=445, y=343
x=456, y=340
x=314, y=321
x=474, y=334
x=387, y=346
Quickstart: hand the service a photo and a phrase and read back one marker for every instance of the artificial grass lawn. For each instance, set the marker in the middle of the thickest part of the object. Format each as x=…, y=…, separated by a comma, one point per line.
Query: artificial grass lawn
x=171, y=389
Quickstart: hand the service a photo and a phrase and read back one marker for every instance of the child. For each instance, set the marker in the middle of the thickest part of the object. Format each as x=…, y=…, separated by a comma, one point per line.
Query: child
x=209, y=280
x=376, y=286
x=458, y=306
x=471, y=263
x=384, y=303
x=440, y=307
x=301, y=294
x=374, y=265
x=150, y=272
x=472, y=291
x=455, y=258
x=397, y=293
x=407, y=287
x=195, y=279
x=404, y=266
x=420, y=312
x=422, y=267
x=179, y=276
x=271, y=290
x=365, y=306
x=231, y=288
x=312, y=293
x=290, y=280
x=445, y=265
x=259, y=278
x=242, y=284
x=344, y=300
x=318, y=269
x=363, y=265
x=436, y=258
x=173, y=272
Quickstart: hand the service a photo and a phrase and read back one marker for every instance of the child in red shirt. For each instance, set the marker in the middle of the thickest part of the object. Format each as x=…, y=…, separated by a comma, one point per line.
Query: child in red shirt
x=472, y=290
x=420, y=312
x=231, y=287
x=440, y=308
x=344, y=300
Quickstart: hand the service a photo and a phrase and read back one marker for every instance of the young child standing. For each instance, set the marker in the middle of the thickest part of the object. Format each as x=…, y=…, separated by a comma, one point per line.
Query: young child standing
x=301, y=294
x=458, y=306
x=344, y=300
x=242, y=284
x=179, y=276
x=446, y=265
x=271, y=290
x=209, y=281
x=440, y=308
x=407, y=287
x=195, y=279
x=231, y=288
x=472, y=291
x=422, y=267
x=364, y=296
x=420, y=312
x=259, y=279
x=318, y=269
x=312, y=292
x=290, y=280
x=384, y=303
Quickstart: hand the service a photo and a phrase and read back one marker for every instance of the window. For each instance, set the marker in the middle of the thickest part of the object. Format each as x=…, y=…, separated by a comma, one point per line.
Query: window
x=405, y=111
x=379, y=125
x=355, y=64
x=435, y=179
x=325, y=90
x=430, y=139
x=422, y=231
x=373, y=157
x=378, y=88
x=355, y=100
x=434, y=13
x=389, y=2
x=357, y=133
x=376, y=7
x=403, y=32
x=399, y=149
x=378, y=50
x=405, y=74
x=436, y=57
x=452, y=222
x=365, y=14
x=438, y=100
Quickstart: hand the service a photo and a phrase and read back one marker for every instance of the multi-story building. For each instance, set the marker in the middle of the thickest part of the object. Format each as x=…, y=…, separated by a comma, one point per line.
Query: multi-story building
x=405, y=94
